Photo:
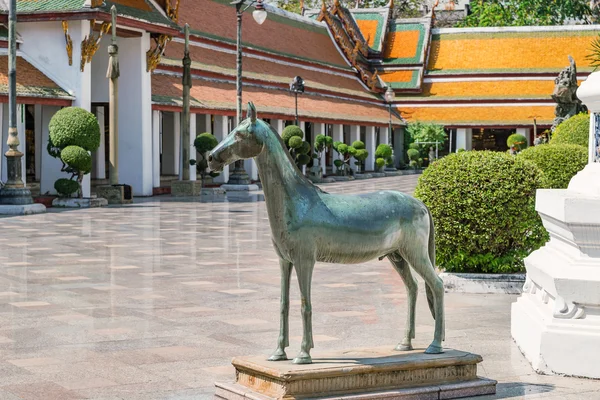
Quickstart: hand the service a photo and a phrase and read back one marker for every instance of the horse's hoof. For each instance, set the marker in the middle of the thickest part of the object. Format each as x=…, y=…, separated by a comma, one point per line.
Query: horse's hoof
x=433, y=349
x=403, y=347
x=278, y=356
x=303, y=359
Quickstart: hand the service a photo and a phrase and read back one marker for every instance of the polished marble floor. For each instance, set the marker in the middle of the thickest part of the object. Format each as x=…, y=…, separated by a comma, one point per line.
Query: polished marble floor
x=152, y=300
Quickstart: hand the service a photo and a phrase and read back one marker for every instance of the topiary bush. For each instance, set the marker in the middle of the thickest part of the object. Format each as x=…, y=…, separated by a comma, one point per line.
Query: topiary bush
x=66, y=187
x=358, y=145
x=74, y=132
x=413, y=156
x=385, y=152
x=380, y=163
x=557, y=163
x=291, y=131
x=346, y=153
x=203, y=143
x=293, y=137
x=518, y=141
x=575, y=130
x=483, y=206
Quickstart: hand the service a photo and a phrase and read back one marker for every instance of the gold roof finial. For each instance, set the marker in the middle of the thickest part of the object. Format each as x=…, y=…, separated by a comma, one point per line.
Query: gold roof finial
x=336, y=3
x=324, y=7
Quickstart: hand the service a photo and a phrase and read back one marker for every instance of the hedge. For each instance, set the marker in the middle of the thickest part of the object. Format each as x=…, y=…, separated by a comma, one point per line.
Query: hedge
x=558, y=164
x=575, y=130
x=483, y=206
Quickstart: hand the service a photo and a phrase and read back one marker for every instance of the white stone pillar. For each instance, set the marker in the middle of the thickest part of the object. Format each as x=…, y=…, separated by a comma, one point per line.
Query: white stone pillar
x=338, y=136
x=23, y=139
x=100, y=154
x=556, y=322
x=176, y=142
x=50, y=166
x=384, y=136
x=156, y=132
x=464, y=138
x=192, y=151
x=525, y=132
x=302, y=125
x=354, y=135
x=39, y=146
x=319, y=129
x=221, y=132
x=370, y=142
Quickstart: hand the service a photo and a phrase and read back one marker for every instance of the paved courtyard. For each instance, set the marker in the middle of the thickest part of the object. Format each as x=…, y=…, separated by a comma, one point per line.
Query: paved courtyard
x=152, y=300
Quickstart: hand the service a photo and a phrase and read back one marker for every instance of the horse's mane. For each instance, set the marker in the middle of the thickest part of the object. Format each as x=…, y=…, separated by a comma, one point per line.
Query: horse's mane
x=299, y=173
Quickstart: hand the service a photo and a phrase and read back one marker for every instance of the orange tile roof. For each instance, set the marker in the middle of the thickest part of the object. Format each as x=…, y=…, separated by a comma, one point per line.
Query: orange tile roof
x=211, y=95
x=31, y=82
x=489, y=52
x=492, y=115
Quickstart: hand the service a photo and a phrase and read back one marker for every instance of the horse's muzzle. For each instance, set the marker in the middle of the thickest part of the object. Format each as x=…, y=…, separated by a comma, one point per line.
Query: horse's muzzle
x=214, y=163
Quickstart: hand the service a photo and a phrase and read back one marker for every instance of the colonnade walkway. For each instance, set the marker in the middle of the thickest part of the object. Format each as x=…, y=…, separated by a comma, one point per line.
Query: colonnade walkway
x=152, y=300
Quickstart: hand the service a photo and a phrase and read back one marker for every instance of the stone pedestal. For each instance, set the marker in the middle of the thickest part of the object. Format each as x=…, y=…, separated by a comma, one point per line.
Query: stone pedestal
x=556, y=323
x=73, y=202
x=360, y=374
x=116, y=194
x=186, y=188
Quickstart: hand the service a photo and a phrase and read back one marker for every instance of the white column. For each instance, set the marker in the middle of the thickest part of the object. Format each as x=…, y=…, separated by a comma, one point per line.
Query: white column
x=192, y=151
x=370, y=142
x=156, y=129
x=319, y=129
x=221, y=132
x=354, y=135
x=338, y=136
x=168, y=148
x=135, y=116
x=464, y=137
x=99, y=155
x=39, y=146
x=302, y=125
x=176, y=142
x=23, y=140
x=205, y=124
x=525, y=132
x=384, y=137
x=50, y=166
x=278, y=125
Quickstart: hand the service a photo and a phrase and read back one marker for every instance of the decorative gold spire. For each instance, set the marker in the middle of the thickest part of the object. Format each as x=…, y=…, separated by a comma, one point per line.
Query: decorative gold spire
x=69, y=41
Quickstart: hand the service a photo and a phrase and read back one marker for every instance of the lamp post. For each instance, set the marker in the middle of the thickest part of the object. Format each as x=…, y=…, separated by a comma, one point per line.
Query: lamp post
x=389, y=98
x=14, y=191
x=239, y=175
x=297, y=86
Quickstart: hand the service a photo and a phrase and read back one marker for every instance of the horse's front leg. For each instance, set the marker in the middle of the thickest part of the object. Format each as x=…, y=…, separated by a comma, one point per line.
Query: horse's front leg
x=283, y=340
x=412, y=289
x=304, y=270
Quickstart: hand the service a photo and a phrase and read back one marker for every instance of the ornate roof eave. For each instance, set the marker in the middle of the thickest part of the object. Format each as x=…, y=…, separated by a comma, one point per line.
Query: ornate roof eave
x=351, y=50
x=351, y=27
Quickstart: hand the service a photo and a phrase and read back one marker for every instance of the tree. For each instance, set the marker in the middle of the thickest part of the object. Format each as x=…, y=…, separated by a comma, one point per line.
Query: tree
x=299, y=149
x=204, y=143
x=74, y=133
x=529, y=12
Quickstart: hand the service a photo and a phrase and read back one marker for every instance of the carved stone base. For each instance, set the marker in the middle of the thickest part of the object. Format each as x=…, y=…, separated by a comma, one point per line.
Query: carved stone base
x=115, y=194
x=556, y=321
x=376, y=373
x=186, y=188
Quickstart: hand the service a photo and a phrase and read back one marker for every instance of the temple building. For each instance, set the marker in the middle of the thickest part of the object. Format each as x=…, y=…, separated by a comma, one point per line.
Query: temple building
x=481, y=84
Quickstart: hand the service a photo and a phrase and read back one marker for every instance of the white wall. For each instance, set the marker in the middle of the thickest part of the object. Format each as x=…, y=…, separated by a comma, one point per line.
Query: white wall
x=100, y=84
x=464, y=138
x=135, y=116
x=370, y=142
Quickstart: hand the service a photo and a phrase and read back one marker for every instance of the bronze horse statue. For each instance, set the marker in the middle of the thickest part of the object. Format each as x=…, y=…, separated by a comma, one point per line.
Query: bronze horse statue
x=310, y=225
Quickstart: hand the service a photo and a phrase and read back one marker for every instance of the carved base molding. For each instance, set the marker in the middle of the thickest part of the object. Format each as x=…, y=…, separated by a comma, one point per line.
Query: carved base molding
x=556, y=322
x=363, y=373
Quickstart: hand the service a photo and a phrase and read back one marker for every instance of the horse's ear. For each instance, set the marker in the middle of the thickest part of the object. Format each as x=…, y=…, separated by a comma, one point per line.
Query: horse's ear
x=251, y=112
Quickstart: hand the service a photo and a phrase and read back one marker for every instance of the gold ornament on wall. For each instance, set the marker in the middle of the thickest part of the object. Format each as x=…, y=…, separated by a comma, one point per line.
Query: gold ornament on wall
x=90, y=44
x=172, y=10
x=69, y=41
x=156, y=51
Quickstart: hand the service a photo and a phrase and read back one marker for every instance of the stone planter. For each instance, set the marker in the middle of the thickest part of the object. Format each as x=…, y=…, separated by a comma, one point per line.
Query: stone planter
x=483, y=283
x=343, y=178
x=378, y=174
x=363, y=176
x=186, y=188
x=86, y=202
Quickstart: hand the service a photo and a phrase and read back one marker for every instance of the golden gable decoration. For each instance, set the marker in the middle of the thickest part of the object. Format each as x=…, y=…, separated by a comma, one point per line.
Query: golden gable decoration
x=69, y=41
x=91, y=43
x=154, y=55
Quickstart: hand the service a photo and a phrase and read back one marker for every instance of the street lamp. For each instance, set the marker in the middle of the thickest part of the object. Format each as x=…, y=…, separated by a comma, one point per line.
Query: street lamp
x=239, y=175
x=389, y=98
x=297, y=86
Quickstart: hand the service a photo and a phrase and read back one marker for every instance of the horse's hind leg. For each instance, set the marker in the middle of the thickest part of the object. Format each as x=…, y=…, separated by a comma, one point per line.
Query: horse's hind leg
x=304, y=270
x=412, y=288
x=283, y=341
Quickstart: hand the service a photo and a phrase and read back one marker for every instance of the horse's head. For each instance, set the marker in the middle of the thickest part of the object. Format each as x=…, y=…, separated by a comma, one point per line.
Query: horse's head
x=245, y=141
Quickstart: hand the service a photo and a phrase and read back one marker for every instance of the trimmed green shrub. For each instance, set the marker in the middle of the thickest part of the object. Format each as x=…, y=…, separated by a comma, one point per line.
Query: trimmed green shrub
x=575, y=130
x=517, y=140
x=338, y=163
x=358, y=145
x=74, y=126
x=302, y=159
x=383, y=151
x=342, y=148
x=380, y=163
x=77, y=158
x=557, y=163
x=414, y=146
x=66, y=187
x=305, y=148
x=413, y=154
x=295, y=142
x=483, y=206
x=460, y=150
x=205, y=142
x=291, y=131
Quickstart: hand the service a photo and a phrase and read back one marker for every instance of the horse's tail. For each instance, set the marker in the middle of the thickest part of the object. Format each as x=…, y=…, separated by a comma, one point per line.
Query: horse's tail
x=431, y=249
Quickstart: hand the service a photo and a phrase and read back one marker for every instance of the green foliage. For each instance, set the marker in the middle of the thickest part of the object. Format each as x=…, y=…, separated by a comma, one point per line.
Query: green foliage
x=342, y=148
x=528, y=12
x=351, y=151
x=575, y=130
x=517, y=140
x=413, y=154
x=302, y=159
x=402, y=8
x=460, y=150
x=383, y=151
x=77, y=159
x=66, y=187
x=483, y=206
x=422, y=132
x=291, y=131
x=558, y=164
x=205, y=142
x=338, y=163
x=74, y=126
x=414, y=146
x=380, y=163
x=358, y=145
x=361, y=155
x=305, y=148
x=594, y=56
x=295, y=142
